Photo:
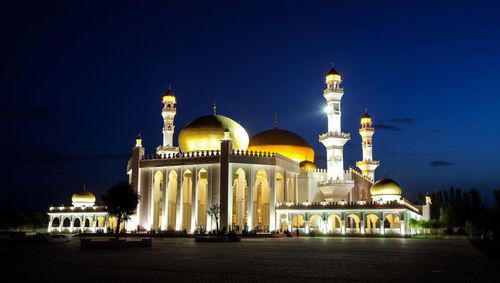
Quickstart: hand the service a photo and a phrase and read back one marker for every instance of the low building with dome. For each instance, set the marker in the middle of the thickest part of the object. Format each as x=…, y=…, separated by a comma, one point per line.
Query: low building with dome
x=82, y=216
x=265, y=183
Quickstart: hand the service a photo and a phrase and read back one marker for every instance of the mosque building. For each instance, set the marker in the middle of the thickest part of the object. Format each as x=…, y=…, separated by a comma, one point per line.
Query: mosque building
x=265, y=183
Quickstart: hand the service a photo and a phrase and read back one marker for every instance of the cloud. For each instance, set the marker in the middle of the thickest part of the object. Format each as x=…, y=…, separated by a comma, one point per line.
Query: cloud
x=405, y=120
x=387, y=127
x=437, y=163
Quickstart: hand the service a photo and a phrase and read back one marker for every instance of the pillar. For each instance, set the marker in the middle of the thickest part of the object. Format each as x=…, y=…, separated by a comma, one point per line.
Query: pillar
x=307, y=227
x=362, y=226
x=342, y=227
x=403, y=228
x=225, y=216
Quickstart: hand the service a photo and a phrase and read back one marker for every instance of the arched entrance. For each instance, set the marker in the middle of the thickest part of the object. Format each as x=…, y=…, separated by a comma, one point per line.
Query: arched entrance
x=280, y=188
x=260, y=199
x=66, y=223
x=290, y=190
x=372, y=223
x=298, y=221
x=334, y=223
x=187, y=200
x=56, y=222
x=156, y=201
x=77, y=223
x=352, y=224
x=315, y=223
x=283, y=219
x=239, y=200
x=392, y=223
x=201, y=199
x=88, y=223
x=171, y=200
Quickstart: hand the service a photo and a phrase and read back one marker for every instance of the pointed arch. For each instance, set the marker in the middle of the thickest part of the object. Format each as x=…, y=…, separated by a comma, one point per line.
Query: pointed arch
x=202, y=198
x=315, y=222
x=260, y=202
x=334, y=223
x=372, y=223
x=240, y=188
x=187, y=200
x=157, y=201
x=290, y=190
x=56, y=222
x=171, y=200
x=280, y=188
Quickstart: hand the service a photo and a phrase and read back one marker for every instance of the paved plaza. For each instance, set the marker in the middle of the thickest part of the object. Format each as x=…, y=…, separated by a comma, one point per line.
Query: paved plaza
x=288, y=259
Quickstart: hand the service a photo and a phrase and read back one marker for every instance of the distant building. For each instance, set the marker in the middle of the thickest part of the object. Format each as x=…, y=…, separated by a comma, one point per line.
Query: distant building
x=265, y=183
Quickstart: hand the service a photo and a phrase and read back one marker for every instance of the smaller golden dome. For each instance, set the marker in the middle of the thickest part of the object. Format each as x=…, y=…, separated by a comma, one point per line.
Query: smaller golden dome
x=385, y=187
x=332, y=74
x=283, y=142
x=83, y=197
x=307, y=165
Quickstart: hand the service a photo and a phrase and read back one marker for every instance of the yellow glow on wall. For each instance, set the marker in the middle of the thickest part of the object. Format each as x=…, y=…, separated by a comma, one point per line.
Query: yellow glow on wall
x=295, y=152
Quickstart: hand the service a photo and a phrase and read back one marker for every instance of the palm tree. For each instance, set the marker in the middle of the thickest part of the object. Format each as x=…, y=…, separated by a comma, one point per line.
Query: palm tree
x=121, y=201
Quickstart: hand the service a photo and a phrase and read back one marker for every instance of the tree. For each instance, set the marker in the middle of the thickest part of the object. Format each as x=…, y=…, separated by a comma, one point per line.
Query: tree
x=121, y=201
x=214, y=212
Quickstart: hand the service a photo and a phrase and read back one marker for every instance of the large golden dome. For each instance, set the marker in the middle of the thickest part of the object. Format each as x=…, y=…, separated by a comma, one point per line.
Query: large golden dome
x=83, y=197
x=283, y=142
x=385, y=187
x=206, y=133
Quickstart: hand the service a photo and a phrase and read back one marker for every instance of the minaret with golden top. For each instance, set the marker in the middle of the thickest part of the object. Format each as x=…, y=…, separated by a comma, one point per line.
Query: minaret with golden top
x=366, y=131
x=334, y=140
x=168, y=113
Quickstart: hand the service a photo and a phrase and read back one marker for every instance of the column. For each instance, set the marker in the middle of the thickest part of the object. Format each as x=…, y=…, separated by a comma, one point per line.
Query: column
x=342, y=227
x=403, y=228
x=325, y=226
x=382, y=220
x=362, y=226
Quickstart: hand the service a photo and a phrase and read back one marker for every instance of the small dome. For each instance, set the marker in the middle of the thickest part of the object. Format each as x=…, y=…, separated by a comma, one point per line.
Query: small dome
x=207, y=132
x=385, y=187
x=83, y=198
x=283, y=142
x=333, y=72
x=307, y=165
x=366, y=116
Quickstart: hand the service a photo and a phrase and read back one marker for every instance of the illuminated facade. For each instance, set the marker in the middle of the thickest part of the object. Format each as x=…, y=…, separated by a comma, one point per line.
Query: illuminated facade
x=265, y=183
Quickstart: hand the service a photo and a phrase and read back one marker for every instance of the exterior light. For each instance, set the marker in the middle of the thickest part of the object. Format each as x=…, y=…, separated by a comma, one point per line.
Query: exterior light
x=326, y=109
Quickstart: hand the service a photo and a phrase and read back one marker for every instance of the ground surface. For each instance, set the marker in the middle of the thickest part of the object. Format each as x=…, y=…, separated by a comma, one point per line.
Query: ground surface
x=297, y=259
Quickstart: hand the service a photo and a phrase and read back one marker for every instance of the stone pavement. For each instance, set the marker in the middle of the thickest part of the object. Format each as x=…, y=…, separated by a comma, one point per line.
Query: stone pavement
x=297, y=259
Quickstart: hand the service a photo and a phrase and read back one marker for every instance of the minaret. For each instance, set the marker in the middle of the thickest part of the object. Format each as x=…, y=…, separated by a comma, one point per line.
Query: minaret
x=367, y=165
x=334, y=140
x=168, y=113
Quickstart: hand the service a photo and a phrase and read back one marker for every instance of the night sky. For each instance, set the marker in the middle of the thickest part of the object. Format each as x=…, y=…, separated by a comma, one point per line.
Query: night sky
x=79, y=81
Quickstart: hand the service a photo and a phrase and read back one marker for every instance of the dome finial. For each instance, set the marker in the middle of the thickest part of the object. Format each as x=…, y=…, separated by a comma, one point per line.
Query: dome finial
x=214, y=108
x=169, y=86
x=275, y=120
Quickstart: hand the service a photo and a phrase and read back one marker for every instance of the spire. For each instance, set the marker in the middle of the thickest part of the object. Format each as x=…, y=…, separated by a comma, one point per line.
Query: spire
x=275, y=120
x=214, y=109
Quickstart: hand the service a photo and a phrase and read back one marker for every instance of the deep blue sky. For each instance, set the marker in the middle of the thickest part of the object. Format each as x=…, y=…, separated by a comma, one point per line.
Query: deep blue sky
x=79, y=80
